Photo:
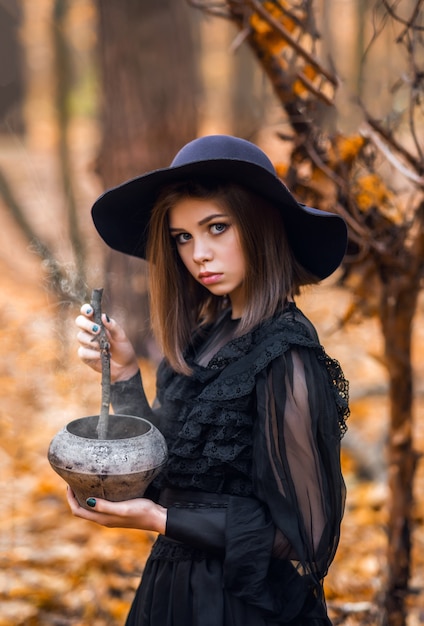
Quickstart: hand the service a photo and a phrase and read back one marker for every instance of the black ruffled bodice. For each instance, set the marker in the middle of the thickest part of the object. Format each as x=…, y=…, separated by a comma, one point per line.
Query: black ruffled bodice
x=208, y=418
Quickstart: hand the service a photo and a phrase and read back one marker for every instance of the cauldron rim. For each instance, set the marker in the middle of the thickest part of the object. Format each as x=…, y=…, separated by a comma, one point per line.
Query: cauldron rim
x=80, y=420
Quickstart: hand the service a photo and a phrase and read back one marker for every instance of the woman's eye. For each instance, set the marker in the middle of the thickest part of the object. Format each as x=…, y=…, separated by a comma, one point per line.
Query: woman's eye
x=182, y=237
x=217, y=229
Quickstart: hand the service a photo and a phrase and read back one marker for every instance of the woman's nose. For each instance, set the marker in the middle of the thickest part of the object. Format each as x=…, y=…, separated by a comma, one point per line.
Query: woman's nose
x=201, y=252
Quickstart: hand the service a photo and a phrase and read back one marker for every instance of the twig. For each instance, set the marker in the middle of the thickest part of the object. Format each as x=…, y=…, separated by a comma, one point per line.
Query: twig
x=387, y=136
x=385, y=149
x=408, y=23
x=212, y=8
x=96, y=303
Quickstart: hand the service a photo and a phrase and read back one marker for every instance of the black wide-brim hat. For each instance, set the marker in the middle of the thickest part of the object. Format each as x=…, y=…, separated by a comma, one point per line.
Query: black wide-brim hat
x=121, y=215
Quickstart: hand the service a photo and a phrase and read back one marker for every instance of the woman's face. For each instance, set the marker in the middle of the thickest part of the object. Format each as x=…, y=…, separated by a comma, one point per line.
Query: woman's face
x=208, y=243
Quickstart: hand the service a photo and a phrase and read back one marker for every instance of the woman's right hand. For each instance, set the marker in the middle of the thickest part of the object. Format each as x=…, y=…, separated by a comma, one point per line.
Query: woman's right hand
x=123, y=360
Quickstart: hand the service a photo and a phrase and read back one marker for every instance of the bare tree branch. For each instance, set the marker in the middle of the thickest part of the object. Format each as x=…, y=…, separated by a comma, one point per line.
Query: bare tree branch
x=396, y=145
x=218, y=9
x=58, y=279
x=391, y=158
x=407, y=23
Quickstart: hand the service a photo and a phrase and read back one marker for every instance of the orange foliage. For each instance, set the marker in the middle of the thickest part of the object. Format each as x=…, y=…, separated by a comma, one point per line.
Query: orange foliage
x=270, y=40
x=263, y=28
x=346, y=149
x=287, y=48
x=310, y=72
x=371, y=191
x=281, y=169
x=299, y=88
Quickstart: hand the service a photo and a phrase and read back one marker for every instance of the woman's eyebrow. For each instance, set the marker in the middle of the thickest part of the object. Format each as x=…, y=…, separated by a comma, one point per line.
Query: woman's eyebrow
x=209, y=218
x=203, y=221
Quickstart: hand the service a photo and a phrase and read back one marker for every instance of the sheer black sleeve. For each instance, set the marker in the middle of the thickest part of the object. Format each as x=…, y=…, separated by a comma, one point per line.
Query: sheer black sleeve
x=297, y=477
x=297, y=459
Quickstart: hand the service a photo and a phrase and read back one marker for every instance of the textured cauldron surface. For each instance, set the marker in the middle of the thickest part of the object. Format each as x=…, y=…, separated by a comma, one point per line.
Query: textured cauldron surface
x=117, y=468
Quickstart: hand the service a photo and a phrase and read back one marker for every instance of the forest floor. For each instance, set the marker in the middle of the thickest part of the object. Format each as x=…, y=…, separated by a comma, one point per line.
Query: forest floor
x=58, y=571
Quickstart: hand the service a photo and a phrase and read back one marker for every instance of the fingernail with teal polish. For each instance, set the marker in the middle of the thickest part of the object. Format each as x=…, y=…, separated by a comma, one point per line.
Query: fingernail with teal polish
x=107, y=317
x=91, y=502
x=88, y=310
x=95, y=328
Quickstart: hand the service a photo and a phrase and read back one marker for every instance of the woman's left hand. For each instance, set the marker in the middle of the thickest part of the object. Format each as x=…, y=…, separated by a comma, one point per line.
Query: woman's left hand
x=140, y=513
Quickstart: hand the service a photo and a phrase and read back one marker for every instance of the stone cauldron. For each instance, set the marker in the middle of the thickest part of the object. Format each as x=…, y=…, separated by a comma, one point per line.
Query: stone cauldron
x=114, y=457
x=118, y=467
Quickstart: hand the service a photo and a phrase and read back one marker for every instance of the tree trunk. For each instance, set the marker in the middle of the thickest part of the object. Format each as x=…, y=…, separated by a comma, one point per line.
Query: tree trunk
x=398, y=307
x=248, y=98
x=11, y=68
x=63, y=90
x=149, y=89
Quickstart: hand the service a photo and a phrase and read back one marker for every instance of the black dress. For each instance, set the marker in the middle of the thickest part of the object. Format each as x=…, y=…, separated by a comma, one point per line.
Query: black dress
x=253, y=483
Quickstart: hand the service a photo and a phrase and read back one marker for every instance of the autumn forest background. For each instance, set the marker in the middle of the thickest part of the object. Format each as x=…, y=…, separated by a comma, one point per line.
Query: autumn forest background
x=93, y=92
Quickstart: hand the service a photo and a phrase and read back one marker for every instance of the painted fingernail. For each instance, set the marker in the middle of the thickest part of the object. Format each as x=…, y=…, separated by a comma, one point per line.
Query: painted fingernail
x=107, y=317
x=88, y=310
x=91, y=502
x=95, y=328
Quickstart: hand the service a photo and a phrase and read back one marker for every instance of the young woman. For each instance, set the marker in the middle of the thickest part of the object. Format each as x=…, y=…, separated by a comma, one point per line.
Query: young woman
x=248, y=508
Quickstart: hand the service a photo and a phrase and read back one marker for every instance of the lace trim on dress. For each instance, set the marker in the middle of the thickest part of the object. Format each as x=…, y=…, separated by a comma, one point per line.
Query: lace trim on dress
x=340, y=389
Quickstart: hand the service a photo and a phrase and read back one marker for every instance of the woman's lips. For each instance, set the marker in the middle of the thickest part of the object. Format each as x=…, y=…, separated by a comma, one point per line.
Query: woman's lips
x=209, y=278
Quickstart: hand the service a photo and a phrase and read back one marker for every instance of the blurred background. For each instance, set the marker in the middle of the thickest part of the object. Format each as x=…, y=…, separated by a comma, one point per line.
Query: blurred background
x=93, y=92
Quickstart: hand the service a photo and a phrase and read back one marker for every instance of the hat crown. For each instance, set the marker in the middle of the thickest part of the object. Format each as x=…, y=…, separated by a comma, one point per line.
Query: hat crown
x=222, y=147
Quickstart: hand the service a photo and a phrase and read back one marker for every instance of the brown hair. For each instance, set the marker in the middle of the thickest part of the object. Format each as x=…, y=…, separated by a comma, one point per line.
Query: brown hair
x=179, y=304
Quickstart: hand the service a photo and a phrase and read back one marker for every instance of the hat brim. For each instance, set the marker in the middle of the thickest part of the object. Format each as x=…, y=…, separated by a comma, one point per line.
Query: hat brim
x=121, y=215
